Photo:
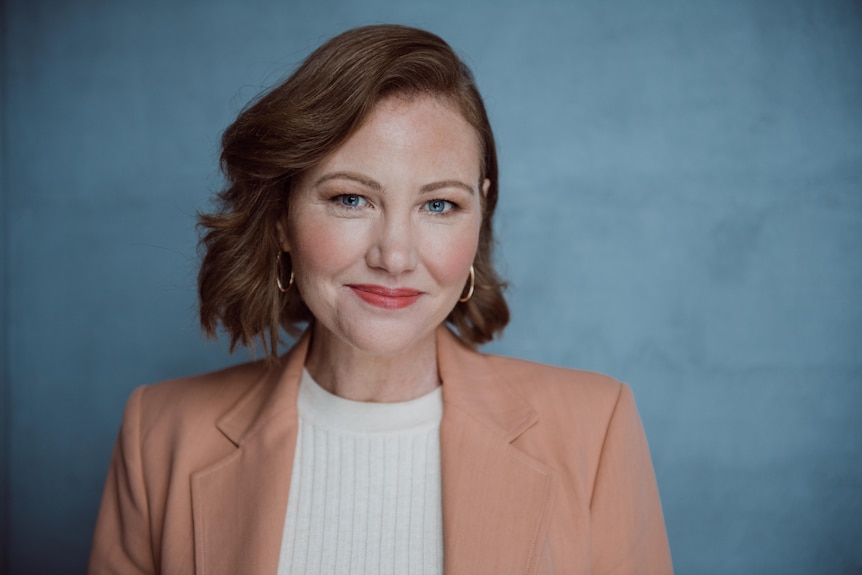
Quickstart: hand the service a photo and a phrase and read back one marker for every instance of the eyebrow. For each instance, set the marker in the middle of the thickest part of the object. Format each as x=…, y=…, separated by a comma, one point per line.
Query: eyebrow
x=368, y=182
x=376, y=186
x=446, y=184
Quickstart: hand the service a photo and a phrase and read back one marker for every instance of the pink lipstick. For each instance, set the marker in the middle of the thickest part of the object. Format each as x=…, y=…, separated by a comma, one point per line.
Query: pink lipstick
x=384, y=297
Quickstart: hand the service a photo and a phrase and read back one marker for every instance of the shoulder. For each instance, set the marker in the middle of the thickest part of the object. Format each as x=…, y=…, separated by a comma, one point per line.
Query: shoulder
x=194, y=400
x=559, y=396
x=580, y=406
x=541, y=384
x=581, y=416
x=207, y=387
x=172, y=428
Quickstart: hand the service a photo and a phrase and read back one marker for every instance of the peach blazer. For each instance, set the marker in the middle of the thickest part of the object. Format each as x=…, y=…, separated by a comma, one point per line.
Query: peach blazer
x=544, y=470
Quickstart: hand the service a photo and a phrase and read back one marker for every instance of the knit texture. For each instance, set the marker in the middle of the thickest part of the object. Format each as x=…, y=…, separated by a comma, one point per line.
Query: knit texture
x=365, y=487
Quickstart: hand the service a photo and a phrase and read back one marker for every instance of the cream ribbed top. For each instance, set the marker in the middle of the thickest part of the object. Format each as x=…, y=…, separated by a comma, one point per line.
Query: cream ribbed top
x=365, y=490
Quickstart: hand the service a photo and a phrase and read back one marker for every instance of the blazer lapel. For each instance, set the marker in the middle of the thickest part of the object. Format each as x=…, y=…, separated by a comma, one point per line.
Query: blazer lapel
x=496, y=499
x=239, y=502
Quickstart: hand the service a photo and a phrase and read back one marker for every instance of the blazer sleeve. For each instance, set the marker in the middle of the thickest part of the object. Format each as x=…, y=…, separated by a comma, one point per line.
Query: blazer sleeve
x=122, y=542
x=628, y=526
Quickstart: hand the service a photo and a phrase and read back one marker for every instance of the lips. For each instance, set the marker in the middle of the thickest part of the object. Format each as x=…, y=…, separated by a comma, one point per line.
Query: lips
x=384, y=297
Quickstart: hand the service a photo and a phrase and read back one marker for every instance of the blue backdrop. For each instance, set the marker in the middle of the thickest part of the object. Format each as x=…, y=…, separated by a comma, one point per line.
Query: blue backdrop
x=681, y=207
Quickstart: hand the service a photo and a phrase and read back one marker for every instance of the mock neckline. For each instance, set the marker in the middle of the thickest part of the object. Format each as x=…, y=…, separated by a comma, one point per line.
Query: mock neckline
x=324, y=409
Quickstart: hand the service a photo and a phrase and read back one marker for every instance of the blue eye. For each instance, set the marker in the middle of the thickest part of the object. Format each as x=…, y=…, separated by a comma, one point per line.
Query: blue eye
x=352, y=200
x=439, y=206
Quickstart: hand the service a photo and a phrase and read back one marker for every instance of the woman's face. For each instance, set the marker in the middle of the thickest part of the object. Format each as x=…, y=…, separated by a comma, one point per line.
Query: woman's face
x=382, y=232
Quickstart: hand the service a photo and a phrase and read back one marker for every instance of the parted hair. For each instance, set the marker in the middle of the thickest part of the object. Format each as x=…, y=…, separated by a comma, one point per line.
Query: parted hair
x=289, y=129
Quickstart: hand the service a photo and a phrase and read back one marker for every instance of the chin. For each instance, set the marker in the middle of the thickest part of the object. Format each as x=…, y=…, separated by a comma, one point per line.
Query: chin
x=387, y=337
x=390, y=341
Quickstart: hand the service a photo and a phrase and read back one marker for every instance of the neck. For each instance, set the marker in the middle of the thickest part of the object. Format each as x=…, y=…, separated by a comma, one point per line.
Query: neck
x=348, y=372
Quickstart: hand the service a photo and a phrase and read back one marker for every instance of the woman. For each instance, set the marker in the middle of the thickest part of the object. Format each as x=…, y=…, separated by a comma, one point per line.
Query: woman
x=359, y=201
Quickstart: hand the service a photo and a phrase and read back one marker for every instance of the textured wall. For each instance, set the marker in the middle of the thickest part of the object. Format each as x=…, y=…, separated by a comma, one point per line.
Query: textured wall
x=681, y=207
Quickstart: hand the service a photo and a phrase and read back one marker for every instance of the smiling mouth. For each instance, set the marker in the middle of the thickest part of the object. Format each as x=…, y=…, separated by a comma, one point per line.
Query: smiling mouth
x=384, y=297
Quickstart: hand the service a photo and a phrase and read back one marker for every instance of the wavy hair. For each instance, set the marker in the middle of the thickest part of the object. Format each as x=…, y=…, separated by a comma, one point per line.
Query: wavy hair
x=291, y=128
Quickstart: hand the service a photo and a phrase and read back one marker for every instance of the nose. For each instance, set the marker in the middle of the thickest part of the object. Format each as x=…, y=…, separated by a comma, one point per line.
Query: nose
x=394, y=247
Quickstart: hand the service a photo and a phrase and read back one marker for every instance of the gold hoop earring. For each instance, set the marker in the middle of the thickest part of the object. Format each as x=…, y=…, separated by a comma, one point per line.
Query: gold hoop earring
x=279, y=272
x=466, y=298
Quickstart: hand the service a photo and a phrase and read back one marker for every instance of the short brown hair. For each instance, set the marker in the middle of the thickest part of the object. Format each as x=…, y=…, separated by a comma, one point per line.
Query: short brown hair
x=289, y=129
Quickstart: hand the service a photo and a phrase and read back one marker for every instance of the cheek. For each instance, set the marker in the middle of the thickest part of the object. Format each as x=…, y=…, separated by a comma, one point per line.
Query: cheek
x=450, y=259
x=318, y=248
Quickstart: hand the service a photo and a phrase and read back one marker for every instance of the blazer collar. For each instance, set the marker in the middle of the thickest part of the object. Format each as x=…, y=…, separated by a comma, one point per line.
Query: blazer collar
x=239, y=502
x=496, y=498
x=472, y=384
x=273, y=398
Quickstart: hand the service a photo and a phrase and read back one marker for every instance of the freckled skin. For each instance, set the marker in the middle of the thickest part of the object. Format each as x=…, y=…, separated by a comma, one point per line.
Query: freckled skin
x=370, y=215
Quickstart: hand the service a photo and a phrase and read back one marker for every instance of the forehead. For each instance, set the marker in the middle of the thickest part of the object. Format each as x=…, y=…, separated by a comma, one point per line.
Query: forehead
x=419, y=133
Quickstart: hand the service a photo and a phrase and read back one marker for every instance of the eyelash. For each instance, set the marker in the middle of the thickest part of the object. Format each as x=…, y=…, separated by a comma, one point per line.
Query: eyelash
x=452, y=206
x=341, y=201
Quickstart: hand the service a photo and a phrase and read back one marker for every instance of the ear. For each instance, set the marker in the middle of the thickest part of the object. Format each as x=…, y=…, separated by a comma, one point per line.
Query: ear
x=486, y=185
x=282, y=235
